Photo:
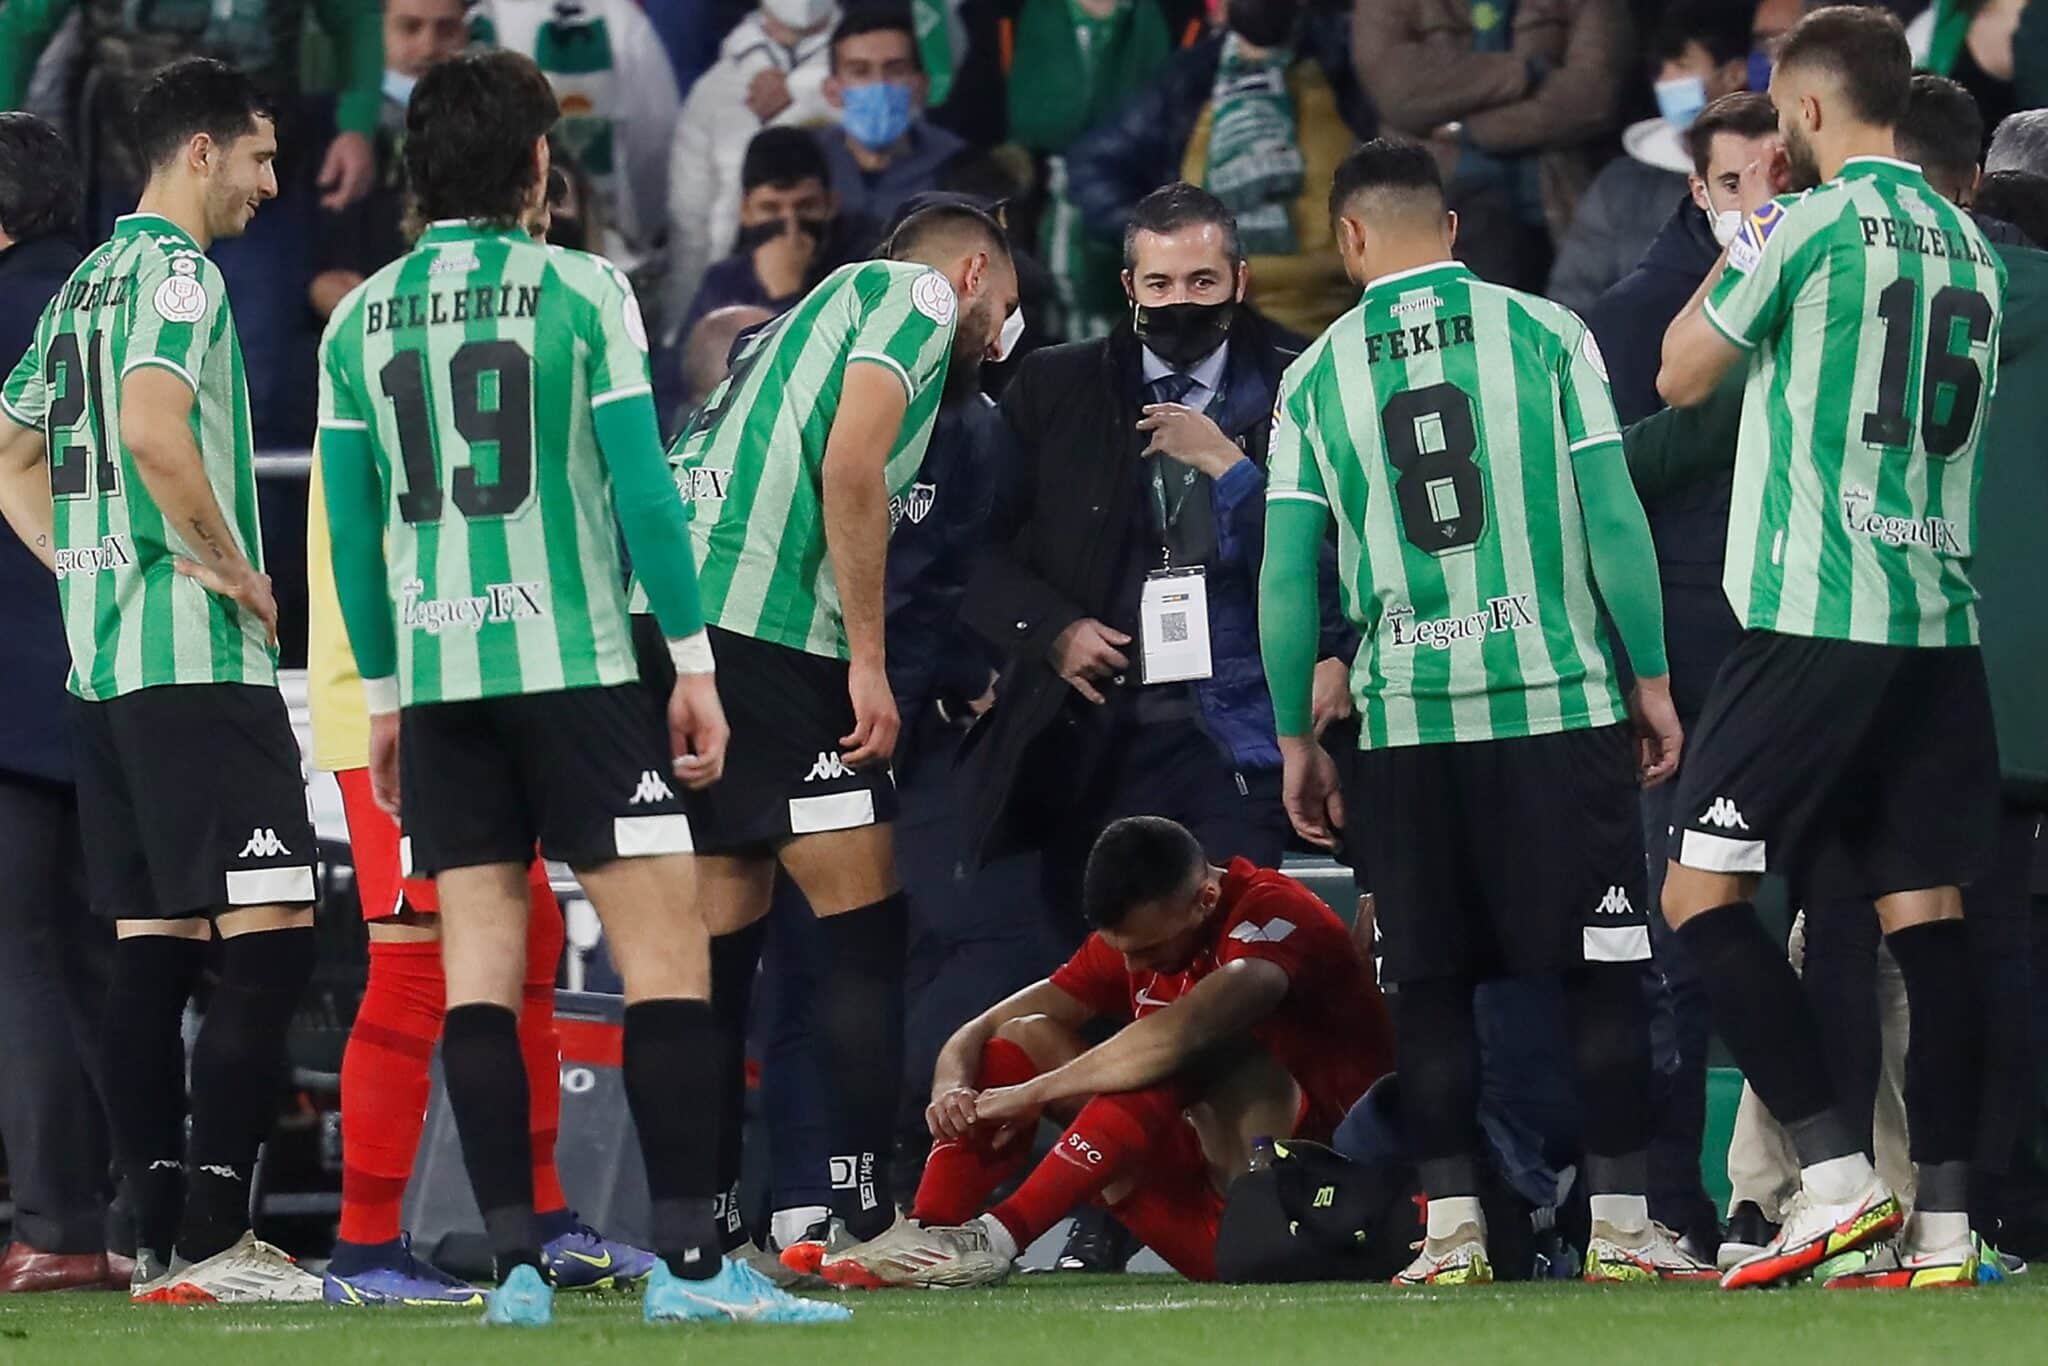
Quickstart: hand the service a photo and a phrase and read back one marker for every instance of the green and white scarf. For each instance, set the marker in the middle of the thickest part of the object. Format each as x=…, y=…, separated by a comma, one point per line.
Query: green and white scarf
x=1255, y=166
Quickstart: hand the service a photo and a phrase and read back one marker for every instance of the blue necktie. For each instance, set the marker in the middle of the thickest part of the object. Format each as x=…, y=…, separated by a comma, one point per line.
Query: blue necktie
x=1170, y=388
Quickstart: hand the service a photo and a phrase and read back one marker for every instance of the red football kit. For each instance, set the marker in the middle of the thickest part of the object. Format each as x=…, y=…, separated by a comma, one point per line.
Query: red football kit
x=1330, y=1032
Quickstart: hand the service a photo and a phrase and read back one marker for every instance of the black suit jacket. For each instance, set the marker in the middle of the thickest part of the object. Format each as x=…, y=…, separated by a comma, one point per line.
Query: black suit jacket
x=1055, y=557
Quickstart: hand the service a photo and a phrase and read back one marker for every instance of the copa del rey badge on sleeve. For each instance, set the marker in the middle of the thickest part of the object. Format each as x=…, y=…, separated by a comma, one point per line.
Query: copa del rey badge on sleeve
x=1173, y=626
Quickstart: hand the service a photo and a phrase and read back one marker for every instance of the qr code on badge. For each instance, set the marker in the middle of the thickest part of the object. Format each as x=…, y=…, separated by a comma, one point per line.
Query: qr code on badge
x=1173, y=627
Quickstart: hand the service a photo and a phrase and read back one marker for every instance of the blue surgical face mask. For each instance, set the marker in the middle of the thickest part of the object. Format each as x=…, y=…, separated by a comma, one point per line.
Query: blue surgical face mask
x=398, y=87
x=1681, y=100
x=876, y=115
x=1760, y=65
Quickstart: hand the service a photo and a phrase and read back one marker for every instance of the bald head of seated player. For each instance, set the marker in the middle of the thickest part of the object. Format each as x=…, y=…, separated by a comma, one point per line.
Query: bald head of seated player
x=1245, y=1011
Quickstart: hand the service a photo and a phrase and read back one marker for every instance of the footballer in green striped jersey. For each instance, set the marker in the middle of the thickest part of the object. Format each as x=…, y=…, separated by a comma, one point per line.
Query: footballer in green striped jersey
x=751, y=460
x=1461, y=438
x=149, y=303
x=485, y=417
x=1847, y=743
x=789, y=471
x=1869, y=310
x=126, y=464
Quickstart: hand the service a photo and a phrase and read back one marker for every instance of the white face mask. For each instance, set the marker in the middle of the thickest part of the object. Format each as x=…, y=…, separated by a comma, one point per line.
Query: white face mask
x=801, y=15
x=1012, y=333
x=1726, y=224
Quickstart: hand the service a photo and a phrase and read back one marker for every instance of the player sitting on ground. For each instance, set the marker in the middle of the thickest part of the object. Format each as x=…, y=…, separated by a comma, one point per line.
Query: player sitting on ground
x=486, y=435
x=1251, y=1015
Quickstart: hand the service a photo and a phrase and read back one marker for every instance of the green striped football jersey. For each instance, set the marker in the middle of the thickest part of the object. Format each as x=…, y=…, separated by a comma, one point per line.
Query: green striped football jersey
x=1438, y=421
x=475, y=363
x=147, y=297
x=1870, y=307
x=751, y=461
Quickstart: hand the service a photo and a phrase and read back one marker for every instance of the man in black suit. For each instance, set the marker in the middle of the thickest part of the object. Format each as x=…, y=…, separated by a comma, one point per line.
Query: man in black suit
x=53, y=955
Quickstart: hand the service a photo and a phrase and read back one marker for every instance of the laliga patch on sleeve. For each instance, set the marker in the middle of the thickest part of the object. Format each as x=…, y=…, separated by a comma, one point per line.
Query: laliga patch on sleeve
x=932, y=295
x=636, y=326
x=1748, y=247
x=180, y=299
x=1590, y=350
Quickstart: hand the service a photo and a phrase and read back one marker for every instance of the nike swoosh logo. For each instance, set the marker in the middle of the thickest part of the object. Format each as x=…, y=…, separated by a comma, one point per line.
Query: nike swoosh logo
x=601, y=1263
x=1146, y=998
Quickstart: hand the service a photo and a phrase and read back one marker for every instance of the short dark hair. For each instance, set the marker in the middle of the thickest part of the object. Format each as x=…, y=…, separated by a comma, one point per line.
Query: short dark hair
x=782, y=157
x=876, y=18
x=39, y=191
x=190, y=97
x=1400, y=165
x=1173, y=207
x=2019, y=198
x=1746, y=114
x=1721, y=27
x=949, y=216
x=1864, y=50
x=1136, y=861
x=469, y=133
x=1943, y=130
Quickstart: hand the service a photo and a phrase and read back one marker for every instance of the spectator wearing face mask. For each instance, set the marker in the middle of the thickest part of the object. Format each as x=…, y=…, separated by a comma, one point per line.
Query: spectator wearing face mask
x=770, y=72
x=355, y=242
x=786, y=241
x=1277, y=86
x=882, y=150
x=1701, y=52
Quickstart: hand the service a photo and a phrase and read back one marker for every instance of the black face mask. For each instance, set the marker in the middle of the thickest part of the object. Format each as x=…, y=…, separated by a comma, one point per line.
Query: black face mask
x=1183, y=334
x=1263, y=23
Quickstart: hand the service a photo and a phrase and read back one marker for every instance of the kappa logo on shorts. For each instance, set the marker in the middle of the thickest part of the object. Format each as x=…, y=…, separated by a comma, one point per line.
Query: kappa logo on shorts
x=1616, y=902
x=1724, y=814
x=651, y=789
x=263, y=843
x=828, y=767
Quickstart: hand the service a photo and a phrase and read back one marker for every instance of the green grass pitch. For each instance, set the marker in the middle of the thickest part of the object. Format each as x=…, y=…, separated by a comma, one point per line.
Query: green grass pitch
x=1086, y=1321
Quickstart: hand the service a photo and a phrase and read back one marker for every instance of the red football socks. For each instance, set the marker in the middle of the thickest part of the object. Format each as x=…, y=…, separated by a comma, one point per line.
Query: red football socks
x=961, y=1174
x=384, y=1071
x=384, y=1085
x=540, y=1043
x=1176, y=1210
x=1109, y=1133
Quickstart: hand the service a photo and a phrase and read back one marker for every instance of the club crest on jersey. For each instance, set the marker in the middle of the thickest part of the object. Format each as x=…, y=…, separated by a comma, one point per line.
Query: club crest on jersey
x=932, y=295
x=1748, y=247
x=914, y=506
x=180, y=299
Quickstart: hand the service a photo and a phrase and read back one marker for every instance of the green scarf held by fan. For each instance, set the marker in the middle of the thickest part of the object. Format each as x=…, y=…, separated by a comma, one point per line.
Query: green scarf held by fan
x=1057, y=92
x=1255, y=164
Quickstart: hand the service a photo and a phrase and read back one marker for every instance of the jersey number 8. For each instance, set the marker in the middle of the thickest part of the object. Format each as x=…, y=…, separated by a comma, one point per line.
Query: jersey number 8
x=1431, y=439
x=507, y=425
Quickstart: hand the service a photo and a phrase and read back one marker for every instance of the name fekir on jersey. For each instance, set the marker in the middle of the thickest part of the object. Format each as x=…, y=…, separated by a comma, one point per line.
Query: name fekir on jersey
x=147, y=297
x=1871, y=310
x=751, y=461
x=476, y=363
x=1439, y=420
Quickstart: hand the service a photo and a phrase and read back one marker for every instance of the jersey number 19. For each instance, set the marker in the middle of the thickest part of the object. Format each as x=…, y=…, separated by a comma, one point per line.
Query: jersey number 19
x=507, y=424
